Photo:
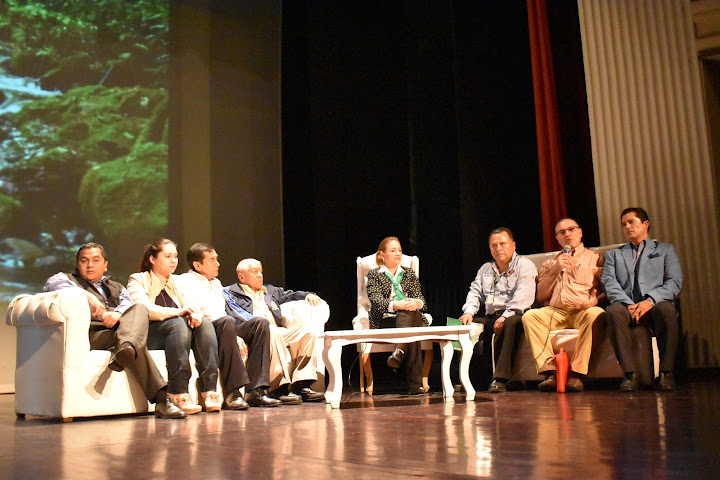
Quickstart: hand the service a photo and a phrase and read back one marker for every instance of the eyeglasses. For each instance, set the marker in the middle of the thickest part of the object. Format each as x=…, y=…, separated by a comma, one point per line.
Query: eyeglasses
x=565, y=230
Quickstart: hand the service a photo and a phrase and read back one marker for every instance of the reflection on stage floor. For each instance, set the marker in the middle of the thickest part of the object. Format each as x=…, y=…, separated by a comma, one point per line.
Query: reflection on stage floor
x=523, y=434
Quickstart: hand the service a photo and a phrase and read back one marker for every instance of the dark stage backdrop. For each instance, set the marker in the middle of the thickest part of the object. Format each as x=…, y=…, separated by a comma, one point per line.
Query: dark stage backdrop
x=416, y=119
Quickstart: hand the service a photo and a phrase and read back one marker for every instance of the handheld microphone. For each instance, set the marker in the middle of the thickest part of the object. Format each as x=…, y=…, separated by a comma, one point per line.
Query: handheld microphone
x=566, y=249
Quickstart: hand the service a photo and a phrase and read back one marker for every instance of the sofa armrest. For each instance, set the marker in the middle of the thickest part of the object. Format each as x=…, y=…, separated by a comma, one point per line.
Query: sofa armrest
x=299, y=312
x=52, y=328
x=48, y=308
x=360, y=322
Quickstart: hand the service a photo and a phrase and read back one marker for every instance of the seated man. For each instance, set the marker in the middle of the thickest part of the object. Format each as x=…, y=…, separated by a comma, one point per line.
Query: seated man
x=292, y=350
x=117, y=324
x=507, y=288
x=207, y=290
x=642, y=279
x=568, y=285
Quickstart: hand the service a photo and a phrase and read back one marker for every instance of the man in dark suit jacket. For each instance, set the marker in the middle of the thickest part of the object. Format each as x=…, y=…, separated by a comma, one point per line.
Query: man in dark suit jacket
x=293, y=363
x=642, y=280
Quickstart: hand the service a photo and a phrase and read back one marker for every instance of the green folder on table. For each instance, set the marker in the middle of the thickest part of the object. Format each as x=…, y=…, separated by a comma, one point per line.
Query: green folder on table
x=451, y=322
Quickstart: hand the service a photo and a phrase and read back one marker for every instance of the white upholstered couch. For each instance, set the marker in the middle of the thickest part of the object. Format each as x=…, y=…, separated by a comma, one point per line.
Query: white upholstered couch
x=57, y=374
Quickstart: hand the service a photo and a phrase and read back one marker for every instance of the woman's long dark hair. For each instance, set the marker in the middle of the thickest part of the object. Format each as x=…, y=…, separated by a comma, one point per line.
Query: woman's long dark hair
x=152, y=250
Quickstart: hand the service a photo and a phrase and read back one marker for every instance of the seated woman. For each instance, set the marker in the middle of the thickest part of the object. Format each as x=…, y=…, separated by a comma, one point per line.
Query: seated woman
x=175, y=326
x=396, y=300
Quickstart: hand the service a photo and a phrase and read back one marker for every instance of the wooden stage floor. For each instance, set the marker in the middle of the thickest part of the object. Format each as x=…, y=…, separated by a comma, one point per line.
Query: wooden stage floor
x=523, y=434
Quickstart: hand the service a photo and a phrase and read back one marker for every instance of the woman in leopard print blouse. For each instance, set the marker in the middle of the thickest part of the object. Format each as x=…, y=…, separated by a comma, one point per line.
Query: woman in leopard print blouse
x=396, y=300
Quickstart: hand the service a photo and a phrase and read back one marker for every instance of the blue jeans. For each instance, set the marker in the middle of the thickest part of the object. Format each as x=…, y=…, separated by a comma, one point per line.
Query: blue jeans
x=175, y=337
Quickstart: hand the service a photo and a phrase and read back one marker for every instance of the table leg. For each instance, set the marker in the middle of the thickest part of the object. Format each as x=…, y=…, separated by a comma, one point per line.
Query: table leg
x=447, y=354
x=467, y=350
x=331, y=355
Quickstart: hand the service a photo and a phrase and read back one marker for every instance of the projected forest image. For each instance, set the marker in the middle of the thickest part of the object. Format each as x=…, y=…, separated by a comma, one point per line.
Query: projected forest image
x=83, y=134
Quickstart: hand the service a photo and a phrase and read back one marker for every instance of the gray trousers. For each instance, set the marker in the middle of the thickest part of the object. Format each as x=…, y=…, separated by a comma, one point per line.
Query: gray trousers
x=132, y=328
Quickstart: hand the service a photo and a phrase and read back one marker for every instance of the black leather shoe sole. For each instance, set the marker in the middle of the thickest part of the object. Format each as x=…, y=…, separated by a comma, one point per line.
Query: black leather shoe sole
x=122, y=357
x=395, y=360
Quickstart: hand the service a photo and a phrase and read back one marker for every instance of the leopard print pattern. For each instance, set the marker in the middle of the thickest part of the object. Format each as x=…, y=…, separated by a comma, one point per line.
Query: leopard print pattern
x=379, y=289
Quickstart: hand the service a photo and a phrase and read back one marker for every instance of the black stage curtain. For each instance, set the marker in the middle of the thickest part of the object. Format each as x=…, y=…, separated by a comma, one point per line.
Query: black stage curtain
x=413, y=119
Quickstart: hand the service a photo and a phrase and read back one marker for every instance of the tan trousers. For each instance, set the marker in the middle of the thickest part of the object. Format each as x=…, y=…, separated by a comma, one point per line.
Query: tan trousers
x=292, y=356
x=537, y=324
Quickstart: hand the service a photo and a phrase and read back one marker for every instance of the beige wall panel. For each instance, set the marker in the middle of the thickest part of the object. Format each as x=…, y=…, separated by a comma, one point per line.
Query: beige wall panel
x=650, y=144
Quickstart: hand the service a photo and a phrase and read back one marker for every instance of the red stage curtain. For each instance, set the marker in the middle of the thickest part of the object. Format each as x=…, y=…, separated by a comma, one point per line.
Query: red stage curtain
x=550, y=162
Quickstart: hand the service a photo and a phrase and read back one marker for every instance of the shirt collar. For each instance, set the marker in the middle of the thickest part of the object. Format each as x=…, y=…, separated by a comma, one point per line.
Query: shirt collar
x=249, y=291
x=384, y=269
x=513, y=259
x=638, y=247
x=199, y=276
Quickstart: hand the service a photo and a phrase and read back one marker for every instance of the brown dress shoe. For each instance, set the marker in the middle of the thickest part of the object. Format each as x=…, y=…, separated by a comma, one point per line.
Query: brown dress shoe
x=549, y=384
x=184, y=401
x=574, y=385
x=211, y=401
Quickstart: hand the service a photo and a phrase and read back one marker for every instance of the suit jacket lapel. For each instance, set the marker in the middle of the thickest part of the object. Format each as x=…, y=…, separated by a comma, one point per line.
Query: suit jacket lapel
x=647, y=251
x=627, y=254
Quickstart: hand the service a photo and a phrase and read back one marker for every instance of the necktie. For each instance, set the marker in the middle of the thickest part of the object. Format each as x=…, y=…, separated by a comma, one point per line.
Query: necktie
x=637, y=295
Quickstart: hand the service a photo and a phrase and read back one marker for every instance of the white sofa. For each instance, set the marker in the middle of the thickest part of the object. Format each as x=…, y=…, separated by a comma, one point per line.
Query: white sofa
x=603, y=363
x=57, y=375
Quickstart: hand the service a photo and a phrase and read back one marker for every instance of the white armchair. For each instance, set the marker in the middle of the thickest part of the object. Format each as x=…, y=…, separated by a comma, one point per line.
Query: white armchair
x=361, y=322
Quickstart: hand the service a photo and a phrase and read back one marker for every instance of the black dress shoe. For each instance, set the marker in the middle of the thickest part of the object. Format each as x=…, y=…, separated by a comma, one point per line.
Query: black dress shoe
x=497, y=386
x=257, y=398
x=288, y=398
x=666, y=382
x=309, y=395
x=630, y=383
x=122, y=357
x=418, y=390
x=168, y=409
x=549, y=384
x=235, y=401
x=395, y=360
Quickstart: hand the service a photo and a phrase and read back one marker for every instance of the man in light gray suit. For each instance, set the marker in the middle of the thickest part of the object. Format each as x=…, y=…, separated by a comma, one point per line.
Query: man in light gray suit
x=642, y=280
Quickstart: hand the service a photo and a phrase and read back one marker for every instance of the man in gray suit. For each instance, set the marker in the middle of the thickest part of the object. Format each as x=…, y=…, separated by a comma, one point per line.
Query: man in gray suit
x=642, y=280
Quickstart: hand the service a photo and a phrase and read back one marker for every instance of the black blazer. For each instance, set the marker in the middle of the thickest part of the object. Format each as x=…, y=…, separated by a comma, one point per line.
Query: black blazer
x=379, y=289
